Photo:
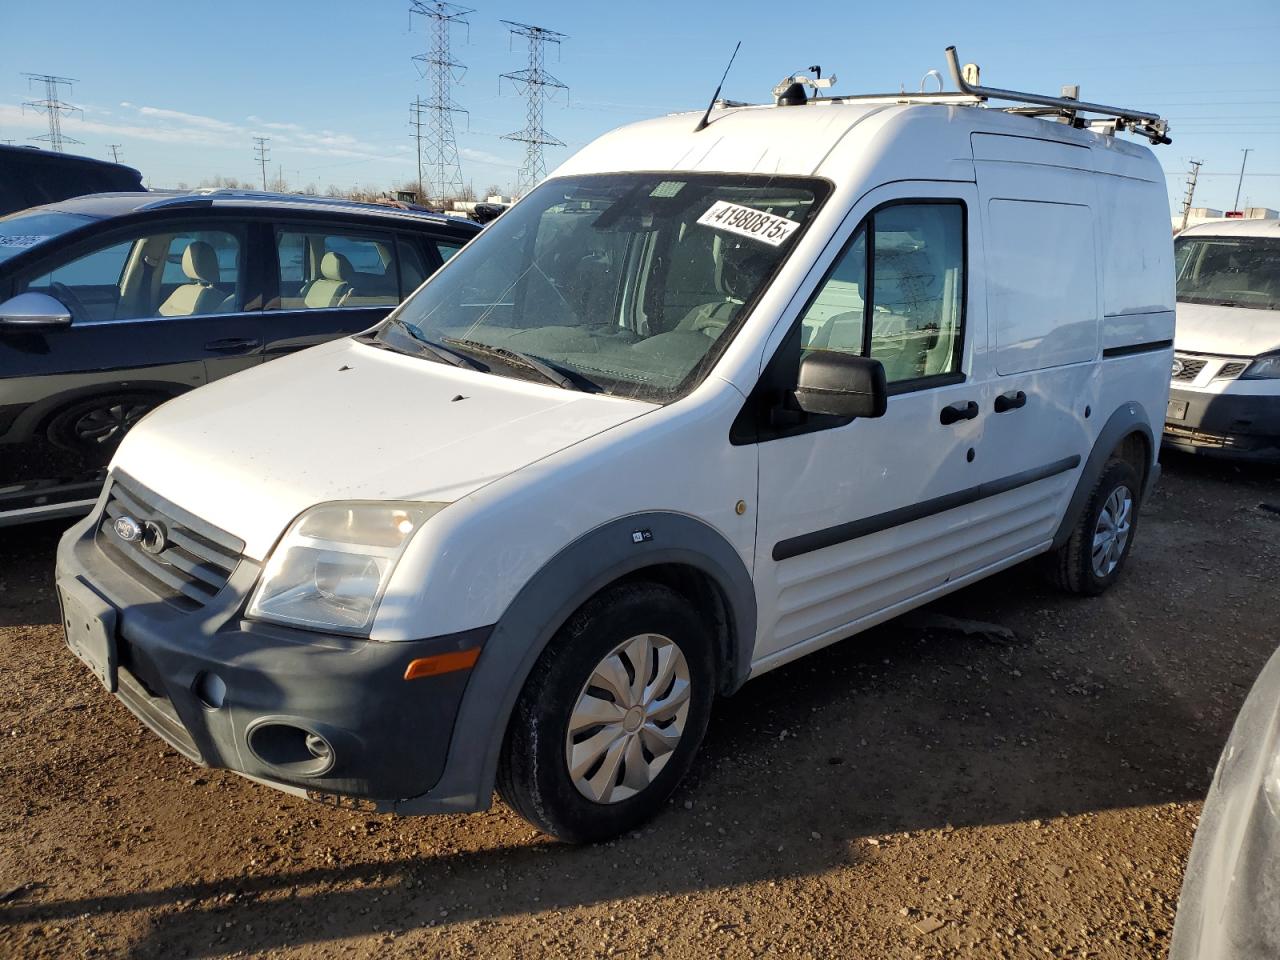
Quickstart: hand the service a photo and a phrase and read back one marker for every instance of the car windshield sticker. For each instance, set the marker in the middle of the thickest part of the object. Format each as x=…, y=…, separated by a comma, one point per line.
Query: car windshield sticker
x=747, y=222
x=22, y=240
x=667, y=188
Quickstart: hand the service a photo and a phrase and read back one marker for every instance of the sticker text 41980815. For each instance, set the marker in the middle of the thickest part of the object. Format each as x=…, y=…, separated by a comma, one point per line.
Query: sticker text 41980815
x=746, y=222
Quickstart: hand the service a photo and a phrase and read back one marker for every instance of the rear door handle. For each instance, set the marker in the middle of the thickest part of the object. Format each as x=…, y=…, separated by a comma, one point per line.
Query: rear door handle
x=957, y=412
x=233, y=345
x=1010, y=401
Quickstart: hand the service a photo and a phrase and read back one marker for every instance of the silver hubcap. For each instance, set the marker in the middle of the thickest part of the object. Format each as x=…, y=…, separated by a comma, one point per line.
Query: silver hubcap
x=1112, y=533
x=628, y=718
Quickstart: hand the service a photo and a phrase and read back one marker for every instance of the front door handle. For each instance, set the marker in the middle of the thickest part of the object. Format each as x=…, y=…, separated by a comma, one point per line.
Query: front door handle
x=233, y=345
x=1010, y=401
x=957, y=412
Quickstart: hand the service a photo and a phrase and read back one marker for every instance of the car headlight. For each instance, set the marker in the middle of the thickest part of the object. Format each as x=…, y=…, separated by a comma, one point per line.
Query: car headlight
x=1264, y=368
x=332, y=566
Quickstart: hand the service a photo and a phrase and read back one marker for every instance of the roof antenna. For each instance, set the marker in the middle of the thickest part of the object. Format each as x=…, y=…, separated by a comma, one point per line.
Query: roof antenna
x=706, y=117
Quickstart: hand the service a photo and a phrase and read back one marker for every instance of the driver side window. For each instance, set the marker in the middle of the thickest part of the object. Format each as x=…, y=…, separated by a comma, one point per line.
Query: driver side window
x=896, y=292
x=176, y=273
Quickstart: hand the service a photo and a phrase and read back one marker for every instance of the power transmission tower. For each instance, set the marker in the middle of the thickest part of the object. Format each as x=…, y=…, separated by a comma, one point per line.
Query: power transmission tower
x=115, y=152
x=262, y=153
x=440, y=71
x=1191, y=192
x=533, y=83
x=54, y=107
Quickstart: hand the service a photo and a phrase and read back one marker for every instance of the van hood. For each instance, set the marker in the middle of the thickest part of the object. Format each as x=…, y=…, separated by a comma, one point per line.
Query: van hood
x=1226, y=331
x=346, y=421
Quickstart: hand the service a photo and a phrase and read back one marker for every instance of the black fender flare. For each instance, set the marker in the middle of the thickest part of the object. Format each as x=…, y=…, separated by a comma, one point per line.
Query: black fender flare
x=1129, y=418
x=544, y=603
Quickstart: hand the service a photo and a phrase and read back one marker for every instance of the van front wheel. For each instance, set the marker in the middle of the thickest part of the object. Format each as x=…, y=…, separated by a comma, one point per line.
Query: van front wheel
x=611, y=715
x=1092, y=560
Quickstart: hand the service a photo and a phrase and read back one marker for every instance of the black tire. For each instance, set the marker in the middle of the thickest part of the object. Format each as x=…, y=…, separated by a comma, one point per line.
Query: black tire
x=533, y=771
x=1071, y=567
x=93, y=428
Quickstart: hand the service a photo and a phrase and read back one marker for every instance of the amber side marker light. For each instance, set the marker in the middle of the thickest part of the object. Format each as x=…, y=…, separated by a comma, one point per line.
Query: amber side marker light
x=442, y=663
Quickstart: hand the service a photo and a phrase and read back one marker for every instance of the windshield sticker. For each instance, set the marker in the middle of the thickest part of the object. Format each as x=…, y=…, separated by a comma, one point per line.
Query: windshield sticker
x=747, y=222
x=22, y=241
x=667, y=188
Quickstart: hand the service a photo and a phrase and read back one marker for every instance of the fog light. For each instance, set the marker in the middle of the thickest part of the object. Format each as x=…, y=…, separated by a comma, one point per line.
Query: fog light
x=211, y=690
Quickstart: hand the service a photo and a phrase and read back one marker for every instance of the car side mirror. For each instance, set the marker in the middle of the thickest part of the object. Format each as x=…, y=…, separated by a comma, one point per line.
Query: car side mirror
x=33, y=311
x=842, y=385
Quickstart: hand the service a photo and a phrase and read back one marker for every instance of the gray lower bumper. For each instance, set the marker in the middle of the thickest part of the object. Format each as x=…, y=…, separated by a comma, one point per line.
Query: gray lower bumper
x=1225, y=424
x=388, y=738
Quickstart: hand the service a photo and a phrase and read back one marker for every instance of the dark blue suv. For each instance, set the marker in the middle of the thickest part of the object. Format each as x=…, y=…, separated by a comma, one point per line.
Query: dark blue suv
x=110, y=304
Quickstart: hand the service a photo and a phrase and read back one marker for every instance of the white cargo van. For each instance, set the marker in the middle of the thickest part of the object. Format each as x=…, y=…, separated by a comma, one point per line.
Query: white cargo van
x=1225, y=396
x=712, y=397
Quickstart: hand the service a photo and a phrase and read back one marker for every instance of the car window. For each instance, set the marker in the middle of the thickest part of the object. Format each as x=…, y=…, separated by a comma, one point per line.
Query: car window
x=1229, y=271
x=412, y=270
x=20, y=232
x=159, y=274
x=912, y=299
x=446, y=249
x=323, y=269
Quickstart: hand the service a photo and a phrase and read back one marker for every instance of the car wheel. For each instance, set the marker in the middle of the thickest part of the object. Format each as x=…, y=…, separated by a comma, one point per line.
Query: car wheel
x=611, y=715
x=1094, y=557
x=94, y=428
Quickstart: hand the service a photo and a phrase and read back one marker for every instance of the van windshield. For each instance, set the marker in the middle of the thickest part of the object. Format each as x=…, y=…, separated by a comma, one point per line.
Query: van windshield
x=1229, y=271
x=630, y=284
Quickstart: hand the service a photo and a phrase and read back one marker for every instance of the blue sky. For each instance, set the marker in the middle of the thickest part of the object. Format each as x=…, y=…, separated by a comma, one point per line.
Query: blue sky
x=183, y=87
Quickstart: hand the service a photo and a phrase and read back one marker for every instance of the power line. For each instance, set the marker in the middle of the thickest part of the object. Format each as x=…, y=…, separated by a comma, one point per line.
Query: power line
x=262, y=153
x=533, y=83
x=53, y=107
x=416, y=109
x=441, y=71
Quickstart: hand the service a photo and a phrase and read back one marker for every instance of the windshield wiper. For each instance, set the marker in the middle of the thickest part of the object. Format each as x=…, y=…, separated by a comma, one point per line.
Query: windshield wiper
x=427, y=348
x=550, y=373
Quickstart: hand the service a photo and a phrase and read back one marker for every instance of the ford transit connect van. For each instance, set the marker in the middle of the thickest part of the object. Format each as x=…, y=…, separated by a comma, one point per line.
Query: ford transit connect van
x=1225, y=396
x=711, y=397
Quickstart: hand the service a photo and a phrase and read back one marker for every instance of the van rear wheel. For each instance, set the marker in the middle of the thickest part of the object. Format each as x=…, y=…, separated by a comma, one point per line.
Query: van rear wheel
x=1094, y=557
x=611, y=715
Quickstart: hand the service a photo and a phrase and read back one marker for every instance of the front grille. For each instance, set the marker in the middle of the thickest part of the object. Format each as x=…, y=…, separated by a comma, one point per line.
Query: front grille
x=1229, y=371
x=197, y=558
x=1190, y=368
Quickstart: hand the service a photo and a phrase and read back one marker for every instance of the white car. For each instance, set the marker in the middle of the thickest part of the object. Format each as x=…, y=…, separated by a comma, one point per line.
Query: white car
x=1225, y=396
x=710, y=398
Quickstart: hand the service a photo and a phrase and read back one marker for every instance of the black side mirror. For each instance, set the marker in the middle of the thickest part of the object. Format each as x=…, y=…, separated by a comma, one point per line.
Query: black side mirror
x=32, y=311
x=842, y=385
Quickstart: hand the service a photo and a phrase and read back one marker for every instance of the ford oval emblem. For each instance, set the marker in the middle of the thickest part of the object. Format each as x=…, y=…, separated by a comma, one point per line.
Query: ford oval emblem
x=128, y=529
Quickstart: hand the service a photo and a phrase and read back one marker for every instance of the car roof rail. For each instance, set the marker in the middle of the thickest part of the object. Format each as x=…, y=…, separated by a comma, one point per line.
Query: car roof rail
x=206, y=196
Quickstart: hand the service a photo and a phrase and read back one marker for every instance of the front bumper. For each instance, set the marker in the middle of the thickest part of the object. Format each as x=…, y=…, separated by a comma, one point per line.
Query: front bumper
x=387, y=738
x=1243, y=426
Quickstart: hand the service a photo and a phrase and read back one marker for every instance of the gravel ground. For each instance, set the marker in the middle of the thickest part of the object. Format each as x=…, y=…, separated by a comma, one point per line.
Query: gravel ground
x=920, y=791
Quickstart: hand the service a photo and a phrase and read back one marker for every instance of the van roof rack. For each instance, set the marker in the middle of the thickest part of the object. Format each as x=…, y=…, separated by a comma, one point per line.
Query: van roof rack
x=1150, y=125
x=968, y=93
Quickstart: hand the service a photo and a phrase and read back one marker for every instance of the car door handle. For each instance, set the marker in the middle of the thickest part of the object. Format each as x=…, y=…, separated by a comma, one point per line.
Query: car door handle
x=957, y=412
x=1010, y=401
x=233, y=345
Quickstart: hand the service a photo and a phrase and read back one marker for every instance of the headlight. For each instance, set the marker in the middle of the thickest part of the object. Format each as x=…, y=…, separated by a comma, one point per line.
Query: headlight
x=332, y=566
x=1264, y=368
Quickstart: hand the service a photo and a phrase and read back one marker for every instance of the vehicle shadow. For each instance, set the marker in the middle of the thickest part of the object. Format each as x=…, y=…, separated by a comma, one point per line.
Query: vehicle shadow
x=26, y=572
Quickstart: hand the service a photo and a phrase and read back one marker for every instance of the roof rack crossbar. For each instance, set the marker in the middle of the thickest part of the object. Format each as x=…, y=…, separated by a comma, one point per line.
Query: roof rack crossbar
x=1149, y=125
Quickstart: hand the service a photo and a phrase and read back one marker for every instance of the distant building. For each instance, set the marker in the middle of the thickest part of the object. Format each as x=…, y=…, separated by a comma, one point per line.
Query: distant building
x=1199, y=215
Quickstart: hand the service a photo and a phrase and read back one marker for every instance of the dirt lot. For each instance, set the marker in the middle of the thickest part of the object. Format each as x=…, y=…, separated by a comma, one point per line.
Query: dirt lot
x=916, y=792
